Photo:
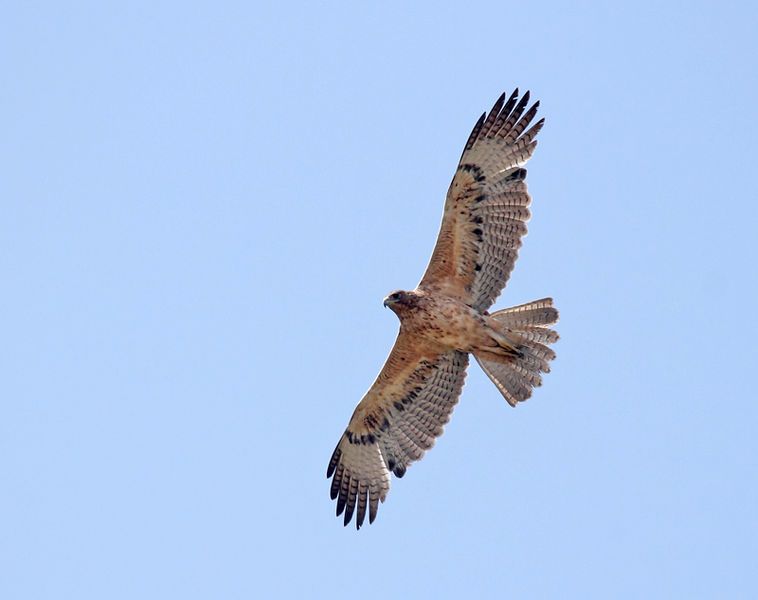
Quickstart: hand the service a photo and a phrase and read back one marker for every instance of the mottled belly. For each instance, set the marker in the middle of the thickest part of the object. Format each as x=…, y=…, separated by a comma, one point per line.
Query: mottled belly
x=451, y=324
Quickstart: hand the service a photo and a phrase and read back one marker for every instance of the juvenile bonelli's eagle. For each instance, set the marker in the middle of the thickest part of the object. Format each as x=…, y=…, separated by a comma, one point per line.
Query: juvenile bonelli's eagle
x=445, y=318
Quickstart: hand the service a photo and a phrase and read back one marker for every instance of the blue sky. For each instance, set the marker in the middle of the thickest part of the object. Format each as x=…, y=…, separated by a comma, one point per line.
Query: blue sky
x=203, y=207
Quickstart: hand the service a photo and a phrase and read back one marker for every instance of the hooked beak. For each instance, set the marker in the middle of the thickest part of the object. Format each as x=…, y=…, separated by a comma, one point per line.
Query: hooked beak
x=386, y=302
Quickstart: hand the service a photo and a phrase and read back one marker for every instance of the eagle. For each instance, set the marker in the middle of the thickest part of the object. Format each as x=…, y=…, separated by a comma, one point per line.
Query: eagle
x=446, y=318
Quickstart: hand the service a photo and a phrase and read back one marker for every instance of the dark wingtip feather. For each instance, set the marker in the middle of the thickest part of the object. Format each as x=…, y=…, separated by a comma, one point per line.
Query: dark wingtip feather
x=522, y=123
x=333, y=461
x=497, y=106
x=516, y=114
x=351, y=496
x=493, y=114
x=373, y=505
x=511, y=102
x=521, y=106
x=342, y=500
x=534, y=130
x=475, y=132
x=505, y=112
x=360, y=513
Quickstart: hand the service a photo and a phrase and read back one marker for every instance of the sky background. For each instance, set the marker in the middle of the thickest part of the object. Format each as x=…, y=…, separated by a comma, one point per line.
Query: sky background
x=203, y=206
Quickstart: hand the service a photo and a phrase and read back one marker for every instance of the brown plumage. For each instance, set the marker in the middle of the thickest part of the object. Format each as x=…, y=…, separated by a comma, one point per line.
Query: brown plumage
x=445, y=318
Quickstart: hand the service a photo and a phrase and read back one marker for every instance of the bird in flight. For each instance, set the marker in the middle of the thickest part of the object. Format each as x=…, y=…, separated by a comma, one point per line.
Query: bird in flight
x=446, y=317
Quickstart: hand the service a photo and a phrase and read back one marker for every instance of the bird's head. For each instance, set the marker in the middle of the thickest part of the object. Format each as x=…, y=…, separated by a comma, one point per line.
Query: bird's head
x=399, y=301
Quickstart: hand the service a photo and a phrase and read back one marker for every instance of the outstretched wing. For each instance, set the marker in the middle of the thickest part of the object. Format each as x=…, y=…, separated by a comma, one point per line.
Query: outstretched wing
x=394, y=424
x=486, y=209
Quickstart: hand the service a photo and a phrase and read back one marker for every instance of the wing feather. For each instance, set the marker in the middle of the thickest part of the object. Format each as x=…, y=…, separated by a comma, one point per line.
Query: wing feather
x=505, y=111
x=395, y=423
x=486, y=209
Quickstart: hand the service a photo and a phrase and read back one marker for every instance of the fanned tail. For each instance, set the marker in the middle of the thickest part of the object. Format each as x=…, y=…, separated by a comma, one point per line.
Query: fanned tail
x=527, y=327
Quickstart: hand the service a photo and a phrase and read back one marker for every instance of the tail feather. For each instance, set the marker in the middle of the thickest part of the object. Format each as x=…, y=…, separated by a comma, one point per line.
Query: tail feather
x=533, y=378
x=512, y=383
x=527, y=326
x=524, y=316
x=540, y=335
x=534, y=350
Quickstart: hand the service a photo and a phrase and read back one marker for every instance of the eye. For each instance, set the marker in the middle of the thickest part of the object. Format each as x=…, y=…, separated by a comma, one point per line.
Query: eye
x=396, y=296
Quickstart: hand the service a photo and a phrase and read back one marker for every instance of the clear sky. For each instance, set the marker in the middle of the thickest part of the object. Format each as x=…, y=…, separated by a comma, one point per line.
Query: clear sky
x=203, y=206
